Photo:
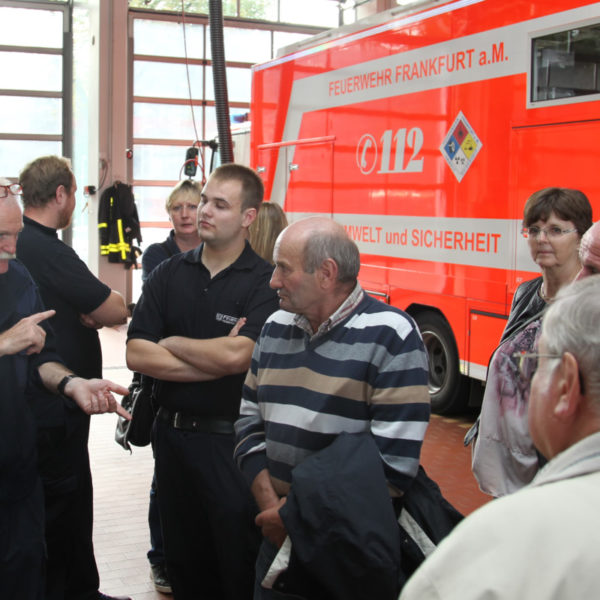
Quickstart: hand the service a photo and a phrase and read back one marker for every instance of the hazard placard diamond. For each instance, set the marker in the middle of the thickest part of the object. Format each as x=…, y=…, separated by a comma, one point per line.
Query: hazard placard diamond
x=460, y=146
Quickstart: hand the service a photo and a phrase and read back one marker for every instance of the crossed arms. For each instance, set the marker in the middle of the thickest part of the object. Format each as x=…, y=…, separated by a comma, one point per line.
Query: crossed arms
x=183, y=359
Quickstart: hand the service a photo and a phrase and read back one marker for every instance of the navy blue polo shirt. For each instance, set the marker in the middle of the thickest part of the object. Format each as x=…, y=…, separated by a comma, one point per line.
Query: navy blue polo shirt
x=180, y=298
x=19, y=298
x=154, y=254
x=69, y=287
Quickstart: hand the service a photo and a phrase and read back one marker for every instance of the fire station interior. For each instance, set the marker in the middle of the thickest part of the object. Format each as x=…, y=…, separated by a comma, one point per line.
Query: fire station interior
x=125, y=90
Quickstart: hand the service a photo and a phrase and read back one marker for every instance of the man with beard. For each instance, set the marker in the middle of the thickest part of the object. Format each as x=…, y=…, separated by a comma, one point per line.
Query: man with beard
x=83, y=304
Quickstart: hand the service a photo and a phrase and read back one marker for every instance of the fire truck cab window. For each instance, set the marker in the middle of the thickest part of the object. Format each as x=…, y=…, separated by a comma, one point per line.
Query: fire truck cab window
x=566, y=64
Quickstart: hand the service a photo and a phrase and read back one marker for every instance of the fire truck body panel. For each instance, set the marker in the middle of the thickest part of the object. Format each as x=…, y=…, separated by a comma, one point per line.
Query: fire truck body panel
x=422, y=136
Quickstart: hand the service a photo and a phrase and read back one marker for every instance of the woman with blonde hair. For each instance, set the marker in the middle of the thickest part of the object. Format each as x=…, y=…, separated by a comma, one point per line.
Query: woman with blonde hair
x=269, y=223
x=181, y=206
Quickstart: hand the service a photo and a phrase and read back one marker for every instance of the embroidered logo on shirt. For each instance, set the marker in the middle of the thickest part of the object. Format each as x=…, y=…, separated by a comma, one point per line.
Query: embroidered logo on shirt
x=227, y=319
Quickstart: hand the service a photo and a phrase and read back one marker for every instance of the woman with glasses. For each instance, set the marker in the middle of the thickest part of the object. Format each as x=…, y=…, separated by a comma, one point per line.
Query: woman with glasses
x=554, y=220
x=504, y=457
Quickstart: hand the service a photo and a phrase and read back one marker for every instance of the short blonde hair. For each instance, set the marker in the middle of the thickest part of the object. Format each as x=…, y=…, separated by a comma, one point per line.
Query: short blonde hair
x=187, y=186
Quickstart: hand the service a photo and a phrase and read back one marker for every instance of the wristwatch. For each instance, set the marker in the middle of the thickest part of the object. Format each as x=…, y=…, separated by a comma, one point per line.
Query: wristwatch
x=63, y=383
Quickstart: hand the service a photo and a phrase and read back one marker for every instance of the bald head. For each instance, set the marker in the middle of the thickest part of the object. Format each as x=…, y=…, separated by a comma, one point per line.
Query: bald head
x=11, y=223
x=589, y=252
x=316, y=266
x=317, y=239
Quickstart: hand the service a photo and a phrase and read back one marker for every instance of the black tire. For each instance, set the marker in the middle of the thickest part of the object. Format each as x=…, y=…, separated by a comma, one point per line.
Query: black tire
x=448, y=389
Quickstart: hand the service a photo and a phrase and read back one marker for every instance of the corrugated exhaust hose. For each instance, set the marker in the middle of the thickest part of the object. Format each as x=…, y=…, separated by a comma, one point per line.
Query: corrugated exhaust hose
x=215, y=11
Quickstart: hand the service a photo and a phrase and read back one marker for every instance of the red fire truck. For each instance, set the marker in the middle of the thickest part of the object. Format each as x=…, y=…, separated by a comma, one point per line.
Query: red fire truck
x=424, y=132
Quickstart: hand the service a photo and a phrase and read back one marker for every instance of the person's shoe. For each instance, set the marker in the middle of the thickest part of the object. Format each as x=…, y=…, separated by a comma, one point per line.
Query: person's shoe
x=158, y=574
x=102, y=596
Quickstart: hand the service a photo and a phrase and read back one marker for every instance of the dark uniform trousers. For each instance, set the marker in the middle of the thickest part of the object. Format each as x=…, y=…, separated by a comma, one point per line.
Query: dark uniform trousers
x=22, y=547
x=71, y=571
x=207, y=514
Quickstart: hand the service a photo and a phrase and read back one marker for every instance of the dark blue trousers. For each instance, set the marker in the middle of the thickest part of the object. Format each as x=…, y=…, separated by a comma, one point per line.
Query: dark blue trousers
x=156, y=554
x=22, y=554
x=71, y=571
x=207, y=514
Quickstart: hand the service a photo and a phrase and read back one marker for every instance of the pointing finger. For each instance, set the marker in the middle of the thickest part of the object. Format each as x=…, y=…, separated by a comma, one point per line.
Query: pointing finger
x=118, y=389
x=123, y=412
x=42, y=316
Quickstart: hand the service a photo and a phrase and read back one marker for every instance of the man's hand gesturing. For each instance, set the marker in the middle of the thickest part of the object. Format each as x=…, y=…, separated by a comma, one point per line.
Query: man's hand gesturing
x=26, y=335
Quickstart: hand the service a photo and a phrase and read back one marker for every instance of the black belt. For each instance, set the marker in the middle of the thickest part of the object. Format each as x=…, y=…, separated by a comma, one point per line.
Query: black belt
x=180, y=420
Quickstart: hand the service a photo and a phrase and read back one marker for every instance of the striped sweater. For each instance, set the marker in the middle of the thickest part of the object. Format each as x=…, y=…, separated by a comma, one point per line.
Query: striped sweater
x=368, y=372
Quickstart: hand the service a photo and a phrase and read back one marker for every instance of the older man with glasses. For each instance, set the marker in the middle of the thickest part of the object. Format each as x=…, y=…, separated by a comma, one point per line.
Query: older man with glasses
x=28, y=356
x=83, y=304
x=539, y=542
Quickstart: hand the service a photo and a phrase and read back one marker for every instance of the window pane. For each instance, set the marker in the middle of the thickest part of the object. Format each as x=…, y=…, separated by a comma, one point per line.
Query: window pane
x=244, y=45
x=166, y=80
x=28, y=27
x=566, y=64
x=211, y=122
x=20, y=114
x=166, y=121
x=150, y=202
x=22, y=71
x=158, y=162
x=265, y=10
x=285, y=38
x=165, y=38
x=229, y=8
x=83, y=125
x=238, y=84
x=190, y=6
x=309, y=12
x=14, y=154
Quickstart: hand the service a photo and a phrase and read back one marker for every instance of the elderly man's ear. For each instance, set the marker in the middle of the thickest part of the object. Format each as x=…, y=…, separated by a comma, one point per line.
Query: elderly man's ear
x=327, y=273
x=568, y=388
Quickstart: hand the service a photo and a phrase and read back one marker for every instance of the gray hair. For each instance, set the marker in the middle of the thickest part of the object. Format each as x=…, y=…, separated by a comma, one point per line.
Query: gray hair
x=322, y=245
x=572, y=324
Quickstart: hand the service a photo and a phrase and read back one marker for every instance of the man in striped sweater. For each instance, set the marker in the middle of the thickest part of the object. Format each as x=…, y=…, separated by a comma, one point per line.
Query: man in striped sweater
x=333, y=359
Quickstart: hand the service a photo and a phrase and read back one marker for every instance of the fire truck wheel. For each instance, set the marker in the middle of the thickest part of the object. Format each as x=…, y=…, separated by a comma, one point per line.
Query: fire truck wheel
x=446, y=390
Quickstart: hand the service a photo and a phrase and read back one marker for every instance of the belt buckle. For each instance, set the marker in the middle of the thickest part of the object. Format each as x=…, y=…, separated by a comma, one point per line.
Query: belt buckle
x=177, y=417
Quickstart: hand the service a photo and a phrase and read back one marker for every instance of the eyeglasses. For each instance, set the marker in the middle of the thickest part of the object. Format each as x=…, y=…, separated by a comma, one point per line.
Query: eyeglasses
x=14, y=189
x=552, y=233
x=528, y=362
